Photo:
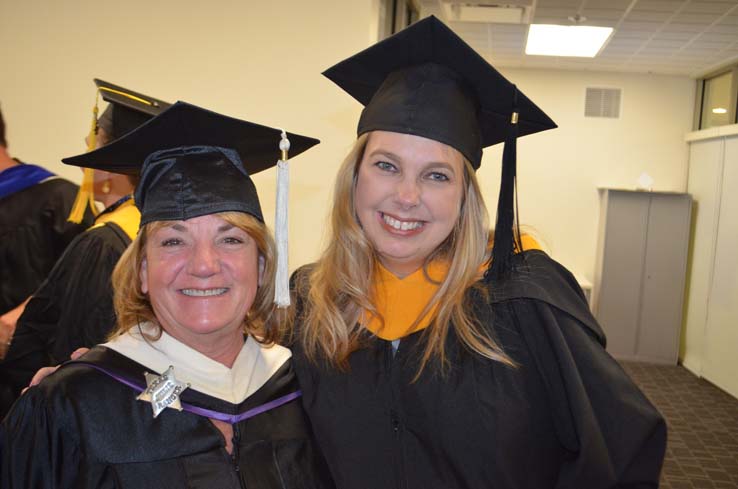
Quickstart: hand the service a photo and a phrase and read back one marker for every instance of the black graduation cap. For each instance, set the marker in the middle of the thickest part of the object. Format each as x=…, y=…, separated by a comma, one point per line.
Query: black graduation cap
x=127, y=109
x=426, y=81
x=193, y=162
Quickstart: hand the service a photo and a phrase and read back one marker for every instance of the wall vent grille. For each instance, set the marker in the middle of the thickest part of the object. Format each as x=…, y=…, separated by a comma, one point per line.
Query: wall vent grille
x=602, y=102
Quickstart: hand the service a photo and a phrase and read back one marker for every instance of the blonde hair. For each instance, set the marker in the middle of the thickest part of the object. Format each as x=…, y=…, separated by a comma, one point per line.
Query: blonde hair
x=132, y=306
x=338, y=288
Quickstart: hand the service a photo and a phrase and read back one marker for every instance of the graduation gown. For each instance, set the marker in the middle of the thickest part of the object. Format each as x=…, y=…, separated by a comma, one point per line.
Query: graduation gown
x=74, y=305
x=82, y=427
x=567, y=416
x=34, y=232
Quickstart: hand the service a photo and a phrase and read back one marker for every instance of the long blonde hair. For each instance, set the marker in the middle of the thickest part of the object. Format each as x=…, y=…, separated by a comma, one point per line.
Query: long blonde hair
x=132, y=306
x=338, y=288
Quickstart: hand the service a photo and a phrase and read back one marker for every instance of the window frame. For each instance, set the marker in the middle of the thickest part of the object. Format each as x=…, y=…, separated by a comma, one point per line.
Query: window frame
x=732, y=104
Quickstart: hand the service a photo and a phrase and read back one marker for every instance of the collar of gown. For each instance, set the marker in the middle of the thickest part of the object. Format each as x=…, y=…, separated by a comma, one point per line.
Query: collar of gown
x=254, y=365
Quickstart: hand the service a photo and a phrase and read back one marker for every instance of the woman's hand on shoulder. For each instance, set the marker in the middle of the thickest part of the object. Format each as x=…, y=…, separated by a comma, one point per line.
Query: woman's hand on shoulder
x=44, y=372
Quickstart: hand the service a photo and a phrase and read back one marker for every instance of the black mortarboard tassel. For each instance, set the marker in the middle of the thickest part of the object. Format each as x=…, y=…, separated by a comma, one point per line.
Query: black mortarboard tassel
x=426, y=81
x=507, y=231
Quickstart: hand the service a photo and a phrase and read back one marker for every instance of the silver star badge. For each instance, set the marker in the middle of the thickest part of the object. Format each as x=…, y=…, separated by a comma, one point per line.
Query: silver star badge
x=163, y=391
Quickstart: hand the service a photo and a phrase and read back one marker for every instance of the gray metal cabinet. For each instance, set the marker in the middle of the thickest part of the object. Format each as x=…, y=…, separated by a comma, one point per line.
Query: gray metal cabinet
x=640, y=272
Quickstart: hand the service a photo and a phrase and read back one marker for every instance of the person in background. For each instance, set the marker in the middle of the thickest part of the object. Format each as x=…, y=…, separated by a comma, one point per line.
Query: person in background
x=190, y=390
x=34, y=231
x=426, y=361
x=73, y=307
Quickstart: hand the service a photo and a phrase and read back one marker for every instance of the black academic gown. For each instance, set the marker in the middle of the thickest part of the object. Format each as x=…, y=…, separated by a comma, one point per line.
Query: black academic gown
x=83, y=428
x=71, y=309
x=566, y=417
x=34, y=232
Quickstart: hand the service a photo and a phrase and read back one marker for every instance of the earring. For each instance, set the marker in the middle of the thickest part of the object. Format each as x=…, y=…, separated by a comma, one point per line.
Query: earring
x=106, y=187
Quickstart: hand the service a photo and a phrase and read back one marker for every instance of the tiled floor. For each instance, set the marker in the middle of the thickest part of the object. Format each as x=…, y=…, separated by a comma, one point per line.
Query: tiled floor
x=702, y=451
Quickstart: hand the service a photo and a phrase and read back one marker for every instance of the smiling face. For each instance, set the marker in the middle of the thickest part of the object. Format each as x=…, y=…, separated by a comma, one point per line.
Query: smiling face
x=408, y=197
x=201, y=276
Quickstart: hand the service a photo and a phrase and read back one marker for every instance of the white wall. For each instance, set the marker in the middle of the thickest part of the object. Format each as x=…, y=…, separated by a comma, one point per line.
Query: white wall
x=559, y=170
x=262, y=61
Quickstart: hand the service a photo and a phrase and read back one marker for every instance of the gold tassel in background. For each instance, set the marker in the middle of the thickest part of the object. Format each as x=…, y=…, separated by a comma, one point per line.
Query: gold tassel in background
x=85, y=195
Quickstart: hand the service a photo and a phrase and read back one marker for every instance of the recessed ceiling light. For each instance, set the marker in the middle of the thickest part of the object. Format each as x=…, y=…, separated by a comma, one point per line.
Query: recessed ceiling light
x=561, y=40
x=719, y=110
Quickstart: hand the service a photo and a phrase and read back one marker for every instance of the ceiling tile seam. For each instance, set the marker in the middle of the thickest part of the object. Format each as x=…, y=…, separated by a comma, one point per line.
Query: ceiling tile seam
x=713, y=24
x=660, y=29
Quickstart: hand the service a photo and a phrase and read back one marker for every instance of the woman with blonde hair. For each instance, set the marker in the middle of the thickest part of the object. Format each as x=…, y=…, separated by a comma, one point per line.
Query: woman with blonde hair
x=424, y=360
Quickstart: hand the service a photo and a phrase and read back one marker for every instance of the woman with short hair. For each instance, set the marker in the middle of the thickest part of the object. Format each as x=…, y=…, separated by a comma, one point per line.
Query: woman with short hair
x=190, y=389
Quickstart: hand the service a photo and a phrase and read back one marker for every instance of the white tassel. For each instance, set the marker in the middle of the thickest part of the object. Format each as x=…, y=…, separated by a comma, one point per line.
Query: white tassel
x=281, y=227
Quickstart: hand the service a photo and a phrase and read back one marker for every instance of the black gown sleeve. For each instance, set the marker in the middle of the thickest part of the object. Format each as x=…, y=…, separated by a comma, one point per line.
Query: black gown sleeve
x=616, y=437
x=35, y=232
x=38, y=448
x=72, y=308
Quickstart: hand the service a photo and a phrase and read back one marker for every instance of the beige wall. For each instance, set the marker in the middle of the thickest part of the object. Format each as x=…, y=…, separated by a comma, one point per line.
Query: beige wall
x=258, y=61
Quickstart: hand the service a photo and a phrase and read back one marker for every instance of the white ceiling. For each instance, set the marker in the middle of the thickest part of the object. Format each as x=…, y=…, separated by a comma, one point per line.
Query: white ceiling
x=679, y=37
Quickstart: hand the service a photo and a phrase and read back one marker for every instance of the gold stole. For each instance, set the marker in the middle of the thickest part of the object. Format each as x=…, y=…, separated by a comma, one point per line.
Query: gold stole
x=400, y=301
x=127, y=216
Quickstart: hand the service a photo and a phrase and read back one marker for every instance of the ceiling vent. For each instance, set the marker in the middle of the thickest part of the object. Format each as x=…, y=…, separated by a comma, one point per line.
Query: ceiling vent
x=602, y=102
x=511, y=12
